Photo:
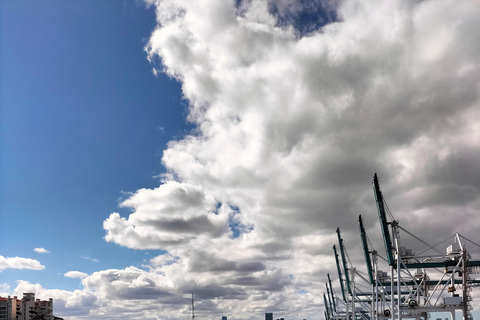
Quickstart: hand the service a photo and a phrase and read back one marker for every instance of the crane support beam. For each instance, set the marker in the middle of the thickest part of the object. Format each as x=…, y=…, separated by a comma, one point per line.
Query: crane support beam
x=339, y=273
x=429, y=283
x=383, y=220
x=368, y=261
x=439, y=264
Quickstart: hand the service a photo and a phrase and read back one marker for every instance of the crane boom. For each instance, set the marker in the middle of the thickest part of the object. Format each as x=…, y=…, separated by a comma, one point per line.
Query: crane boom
x=326, y=306
x=383, y=220
x=368, y=261
x=344, y=260
x=339, y=273
x=331, y=292
x=328, y=299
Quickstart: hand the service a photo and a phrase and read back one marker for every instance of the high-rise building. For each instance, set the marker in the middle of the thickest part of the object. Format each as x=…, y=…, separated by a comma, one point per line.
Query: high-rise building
x=224, y=318
x=268, y=316
x=9, y=308
x=27, y=308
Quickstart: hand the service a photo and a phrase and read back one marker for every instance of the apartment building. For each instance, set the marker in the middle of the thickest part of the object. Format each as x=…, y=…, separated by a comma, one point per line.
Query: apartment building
x=27, y=308
x=9, y=308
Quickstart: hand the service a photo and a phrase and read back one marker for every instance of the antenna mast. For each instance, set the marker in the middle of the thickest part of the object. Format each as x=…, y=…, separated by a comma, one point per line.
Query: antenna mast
x=193, y=309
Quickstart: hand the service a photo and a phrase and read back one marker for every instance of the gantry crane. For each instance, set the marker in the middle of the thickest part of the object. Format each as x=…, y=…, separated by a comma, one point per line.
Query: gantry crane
x=418, y=284
x=415, y=295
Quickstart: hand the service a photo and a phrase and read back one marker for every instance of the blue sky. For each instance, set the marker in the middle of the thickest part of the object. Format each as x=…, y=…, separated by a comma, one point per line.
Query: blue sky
x=83, y=119
x=154, y=149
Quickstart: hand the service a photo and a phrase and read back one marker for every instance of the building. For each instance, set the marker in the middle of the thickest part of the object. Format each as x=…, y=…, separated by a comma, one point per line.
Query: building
x=224, y=318
x=268, y=316
x=9, y=308
x=3, y=308
x=27, y=308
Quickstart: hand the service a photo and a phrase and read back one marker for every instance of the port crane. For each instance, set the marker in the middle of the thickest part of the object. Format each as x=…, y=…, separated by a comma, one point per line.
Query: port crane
x=417, y=284
x=355, y=300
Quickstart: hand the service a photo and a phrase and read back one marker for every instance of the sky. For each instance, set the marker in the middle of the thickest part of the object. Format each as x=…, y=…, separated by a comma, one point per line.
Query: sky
x=154, y=149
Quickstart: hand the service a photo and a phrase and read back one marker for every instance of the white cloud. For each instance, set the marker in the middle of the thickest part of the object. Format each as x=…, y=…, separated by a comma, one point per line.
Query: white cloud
x=19, y=263
x=76, y=274
x=161, y=260
x=76, y=304
x=290, y=129
x=4, y=289
x=41, y=250
x=170, y=215
x=88, y=258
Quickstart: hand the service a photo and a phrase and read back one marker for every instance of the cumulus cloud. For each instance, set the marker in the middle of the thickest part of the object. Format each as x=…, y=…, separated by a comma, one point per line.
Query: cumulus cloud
x=4, y=289
x=291, y=123
x=19, y=263
x=170, y=215
x=75, y=304
x=75, y=274
x=41, y=250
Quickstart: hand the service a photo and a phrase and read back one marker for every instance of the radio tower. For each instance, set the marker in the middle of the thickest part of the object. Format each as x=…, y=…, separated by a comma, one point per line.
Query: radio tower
x=193, y=309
